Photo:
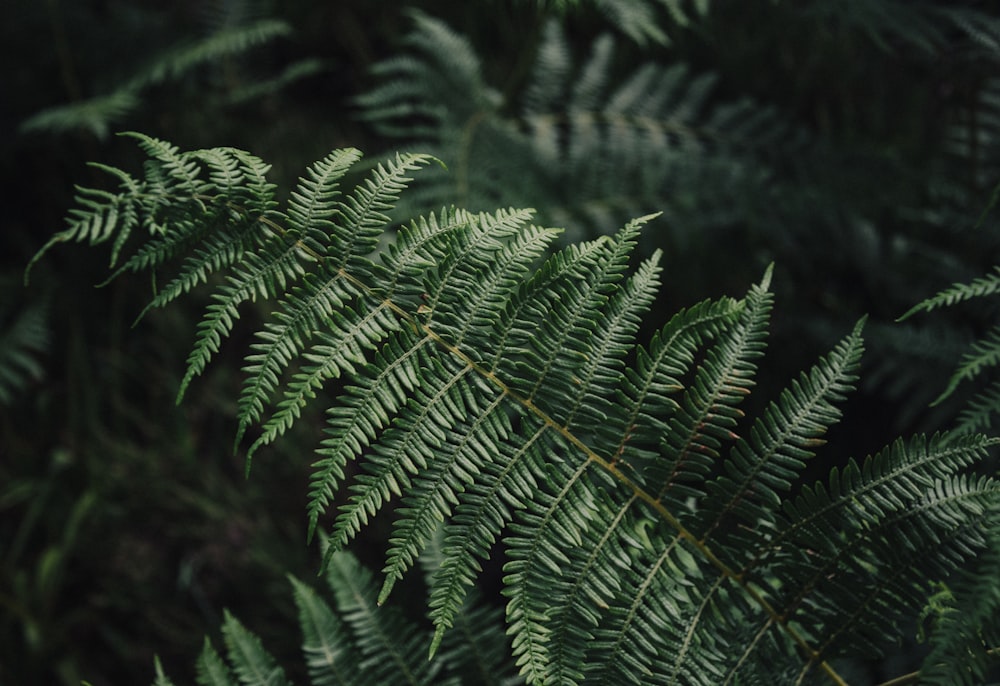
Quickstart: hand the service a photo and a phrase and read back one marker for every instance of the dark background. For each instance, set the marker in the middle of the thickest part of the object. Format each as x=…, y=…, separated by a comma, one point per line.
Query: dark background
x=126, y=525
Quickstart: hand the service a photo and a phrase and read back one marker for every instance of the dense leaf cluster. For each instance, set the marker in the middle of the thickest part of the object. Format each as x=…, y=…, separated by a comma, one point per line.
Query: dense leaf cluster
x=494, y=390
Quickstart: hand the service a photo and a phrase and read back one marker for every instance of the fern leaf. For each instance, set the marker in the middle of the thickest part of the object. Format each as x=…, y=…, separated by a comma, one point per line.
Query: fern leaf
x=959, y=292
x=95, y=221
x=94, y=114
x=766, y=464
x=649, y=388
x=261, y=273
x=968, y=626
x=25, y=335
x=979, y=414
x=182, y=169
x=477, y=650
x=593, y=402
x=465, y=429
x=709, y=409
x=419, y=247
x=417, y=435
x=161, y=678
x=504, y=485
x=370, y=404
x=251, y=663
x=240, y=178
x=556, y=349
x=302, y=312
x=391, y=652
x=941, y=529
x=540, y=294
x=312, y=205
x=228, y=41
x=490, y=260
x=330, y=654
x=363, y=210
x=333, y=353
x=211, y=669
x=225, y=246
x=984, y=353
x=493, y=396
x=862, y=547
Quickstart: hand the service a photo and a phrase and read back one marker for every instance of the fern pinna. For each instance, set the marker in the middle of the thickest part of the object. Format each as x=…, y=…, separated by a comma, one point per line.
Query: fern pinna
x=654, y=533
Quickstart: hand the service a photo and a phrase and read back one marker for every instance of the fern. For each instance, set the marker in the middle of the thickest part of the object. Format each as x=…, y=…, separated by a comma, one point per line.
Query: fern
x=100, y=113
x=586, y=144
x=24, y=337
x=356, y=643
x=655, y=533
x=972, y=595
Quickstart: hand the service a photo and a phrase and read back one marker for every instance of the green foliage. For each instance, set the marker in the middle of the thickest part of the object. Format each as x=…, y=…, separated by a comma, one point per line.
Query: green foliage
x=984, y=354
x=24, y=336
x=358, y=643
x=583, y=142
x=655, y=530
x=98, y=114
x=967, y=625
x=765, y=139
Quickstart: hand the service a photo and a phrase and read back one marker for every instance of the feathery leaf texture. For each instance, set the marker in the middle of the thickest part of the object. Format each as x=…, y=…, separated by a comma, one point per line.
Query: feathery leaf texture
x=588, y=145
x=493, y=390
x=983, y=354
x=97, y=114
x=965, y=636
x=24, y=337
x=353, y=642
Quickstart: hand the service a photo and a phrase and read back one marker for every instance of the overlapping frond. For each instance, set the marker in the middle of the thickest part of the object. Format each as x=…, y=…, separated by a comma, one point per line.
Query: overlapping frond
x=489, y=394
x=588, y=145
x=353, y=642
x=968, y=625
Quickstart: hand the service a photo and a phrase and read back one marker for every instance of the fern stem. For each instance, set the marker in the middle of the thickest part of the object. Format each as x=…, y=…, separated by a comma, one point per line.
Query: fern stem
x=612, y=468
x=609, y=465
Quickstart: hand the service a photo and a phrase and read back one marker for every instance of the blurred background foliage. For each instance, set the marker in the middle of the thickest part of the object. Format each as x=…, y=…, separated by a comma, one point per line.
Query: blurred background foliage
x=852, y=142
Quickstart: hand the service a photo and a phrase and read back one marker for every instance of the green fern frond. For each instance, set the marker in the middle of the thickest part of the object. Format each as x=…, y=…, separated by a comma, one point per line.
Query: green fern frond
x=161, y=678
x=228, y=41
x=771, y=459
x=836, y=553
x=588, y=146
x=95, y=115
x=959, y=292
x=709, y=410
x=251, y=663
x=500, y=399
x=967, y=628
x=24, y=336
x=333, y=353
x=330, y=653
x=637, y=20
x=98, y=114
x=269, y=270
x=312, y=205
x=353, y=642
x=97, y=218
x=211, y=669
x=391, y=653
x=477, y=649
x=980, y=412
x=983, y=354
